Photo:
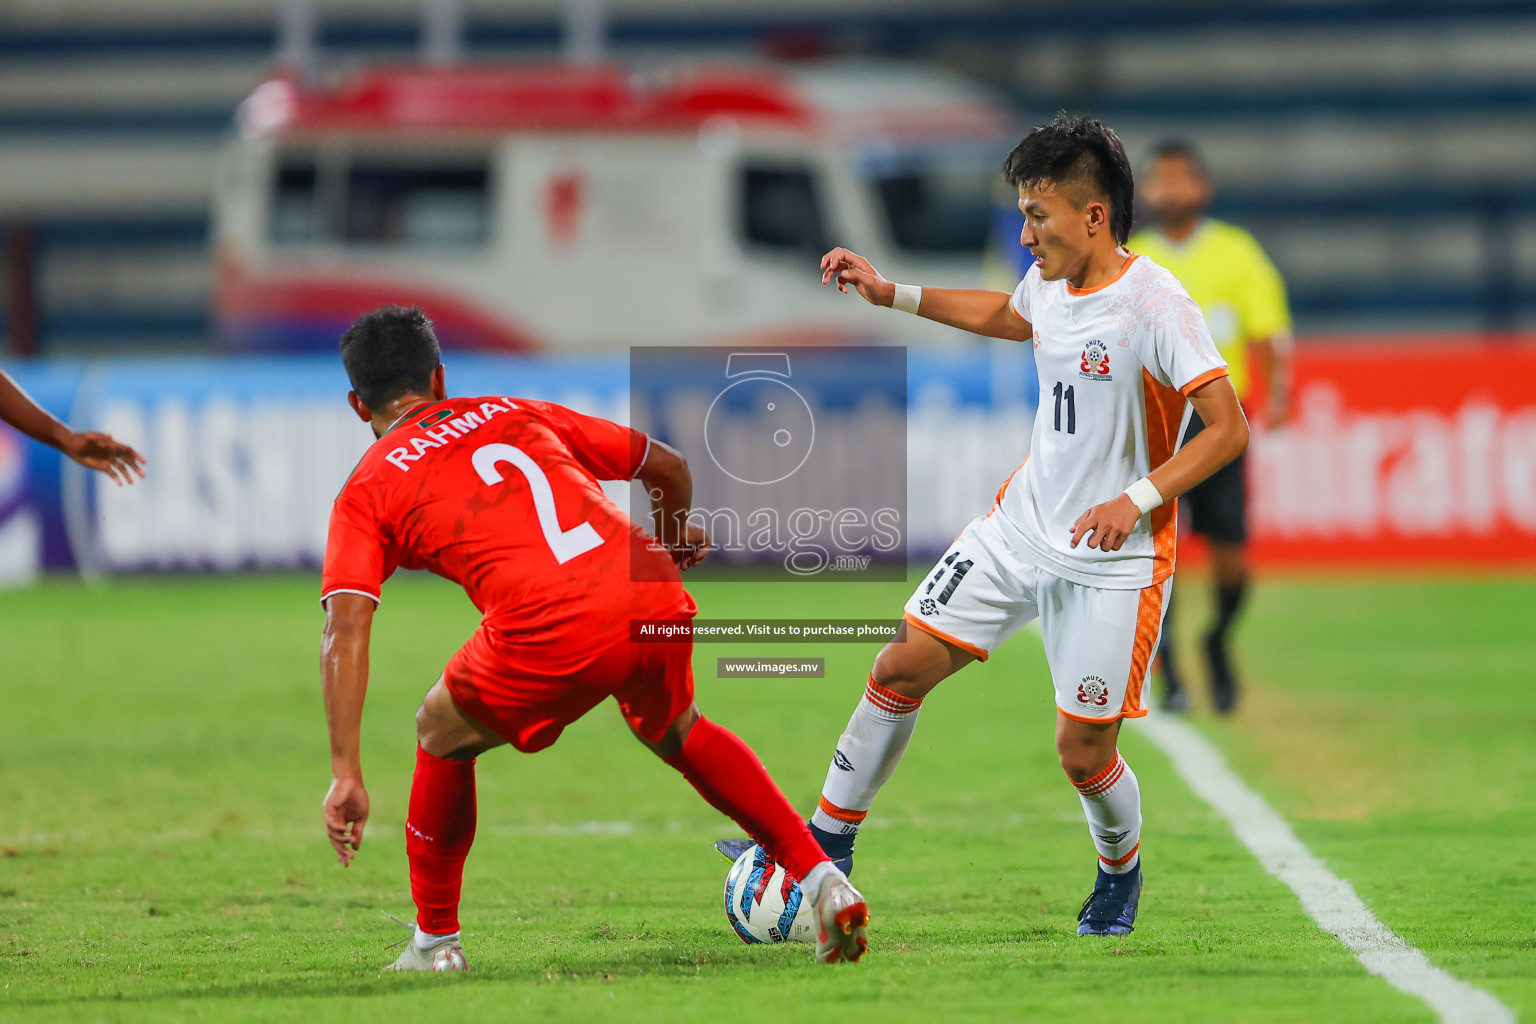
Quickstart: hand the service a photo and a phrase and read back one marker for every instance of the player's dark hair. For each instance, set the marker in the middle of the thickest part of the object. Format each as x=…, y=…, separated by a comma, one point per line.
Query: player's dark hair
x=390, y=352
x=1076, y=149
x=1183, y=149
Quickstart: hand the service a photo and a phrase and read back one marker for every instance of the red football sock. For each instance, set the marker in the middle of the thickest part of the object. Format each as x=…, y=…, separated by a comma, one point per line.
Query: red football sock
x=726, y=772
x=439, y=829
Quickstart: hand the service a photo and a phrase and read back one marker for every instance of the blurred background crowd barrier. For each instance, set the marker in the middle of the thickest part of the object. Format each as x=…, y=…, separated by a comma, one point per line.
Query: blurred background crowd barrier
x=248, y=452
x=197, y=196
x=1422, y=455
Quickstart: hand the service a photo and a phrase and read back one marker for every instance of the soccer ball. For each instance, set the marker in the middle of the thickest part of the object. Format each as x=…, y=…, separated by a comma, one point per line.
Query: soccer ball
x=764, y=904
x=449, y=958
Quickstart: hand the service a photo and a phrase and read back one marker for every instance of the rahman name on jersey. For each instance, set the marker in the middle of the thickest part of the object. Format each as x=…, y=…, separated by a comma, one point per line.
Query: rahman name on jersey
x=419, y=499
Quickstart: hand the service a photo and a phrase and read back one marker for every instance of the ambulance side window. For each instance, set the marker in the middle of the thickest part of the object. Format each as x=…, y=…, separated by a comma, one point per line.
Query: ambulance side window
x=781, y=210
x=294, y=216
x=400, y=204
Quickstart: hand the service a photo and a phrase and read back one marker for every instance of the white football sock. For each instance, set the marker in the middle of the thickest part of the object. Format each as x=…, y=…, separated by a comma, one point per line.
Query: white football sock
x=426, y=940
x=1112, y=802
x=867, y=753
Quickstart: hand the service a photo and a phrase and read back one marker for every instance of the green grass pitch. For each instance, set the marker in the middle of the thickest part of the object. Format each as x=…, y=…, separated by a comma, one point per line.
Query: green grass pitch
x=163, y=757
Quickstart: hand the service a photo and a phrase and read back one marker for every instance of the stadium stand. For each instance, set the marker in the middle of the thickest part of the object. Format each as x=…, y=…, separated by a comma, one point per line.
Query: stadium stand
x=1381, y=152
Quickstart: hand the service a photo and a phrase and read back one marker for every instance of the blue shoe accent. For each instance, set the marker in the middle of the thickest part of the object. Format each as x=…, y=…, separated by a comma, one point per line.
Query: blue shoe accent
x=1111, y=908
x=837, y=845
x=732, y=849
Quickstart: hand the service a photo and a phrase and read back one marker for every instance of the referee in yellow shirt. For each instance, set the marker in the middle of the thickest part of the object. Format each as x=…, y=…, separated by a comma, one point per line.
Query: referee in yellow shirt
x=1243, y=298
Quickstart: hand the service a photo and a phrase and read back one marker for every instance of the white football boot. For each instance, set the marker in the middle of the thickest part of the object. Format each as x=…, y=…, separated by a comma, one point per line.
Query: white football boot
x=437, y=955
x=842, y=917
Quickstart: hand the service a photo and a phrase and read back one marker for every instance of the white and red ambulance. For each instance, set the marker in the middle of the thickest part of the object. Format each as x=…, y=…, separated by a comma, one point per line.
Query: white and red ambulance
x=532, y=208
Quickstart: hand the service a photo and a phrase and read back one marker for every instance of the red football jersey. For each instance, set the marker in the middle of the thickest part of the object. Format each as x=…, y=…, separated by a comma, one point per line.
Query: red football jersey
x=501, y=496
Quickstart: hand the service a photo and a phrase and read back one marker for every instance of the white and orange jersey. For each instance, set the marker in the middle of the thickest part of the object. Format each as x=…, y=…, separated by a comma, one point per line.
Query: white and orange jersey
x=1115, y=365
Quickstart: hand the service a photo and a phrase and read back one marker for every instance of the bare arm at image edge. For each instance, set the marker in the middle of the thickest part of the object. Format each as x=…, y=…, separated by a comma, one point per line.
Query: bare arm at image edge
x=91, y=449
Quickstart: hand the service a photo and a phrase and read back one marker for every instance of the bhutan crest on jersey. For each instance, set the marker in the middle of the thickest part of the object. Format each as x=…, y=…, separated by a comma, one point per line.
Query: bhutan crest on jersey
x=1095, y=364
x=1093, y=692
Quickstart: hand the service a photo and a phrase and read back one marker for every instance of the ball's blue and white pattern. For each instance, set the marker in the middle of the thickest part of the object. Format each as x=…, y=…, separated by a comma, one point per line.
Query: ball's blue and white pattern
x=764, y=904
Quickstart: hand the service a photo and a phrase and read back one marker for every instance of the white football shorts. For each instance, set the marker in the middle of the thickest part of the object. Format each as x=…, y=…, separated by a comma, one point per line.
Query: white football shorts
x=1098, y=643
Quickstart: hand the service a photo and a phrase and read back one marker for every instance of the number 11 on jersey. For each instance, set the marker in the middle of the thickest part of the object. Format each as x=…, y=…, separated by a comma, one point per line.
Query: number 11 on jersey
x=1071, y=401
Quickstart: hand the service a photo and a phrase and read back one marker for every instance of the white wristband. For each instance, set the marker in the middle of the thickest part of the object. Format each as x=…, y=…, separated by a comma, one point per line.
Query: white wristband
x=1144, y=495
x=907, y=298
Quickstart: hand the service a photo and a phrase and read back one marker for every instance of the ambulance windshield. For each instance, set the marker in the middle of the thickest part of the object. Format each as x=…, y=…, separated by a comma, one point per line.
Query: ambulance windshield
x=937, y=200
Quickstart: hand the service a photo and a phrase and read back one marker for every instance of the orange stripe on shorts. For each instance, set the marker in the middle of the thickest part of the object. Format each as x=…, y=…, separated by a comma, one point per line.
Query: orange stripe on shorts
x=1149, y=623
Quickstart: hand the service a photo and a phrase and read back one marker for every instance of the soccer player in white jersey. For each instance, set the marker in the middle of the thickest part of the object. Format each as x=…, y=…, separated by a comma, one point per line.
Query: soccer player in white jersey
x=1082, y=534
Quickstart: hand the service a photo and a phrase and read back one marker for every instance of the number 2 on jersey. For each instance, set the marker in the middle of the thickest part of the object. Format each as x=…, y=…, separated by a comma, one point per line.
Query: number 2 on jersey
x=564, y=544
x=1071, y=407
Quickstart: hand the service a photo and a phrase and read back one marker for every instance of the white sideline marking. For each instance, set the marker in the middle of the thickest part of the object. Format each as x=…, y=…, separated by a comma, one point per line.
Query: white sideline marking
x=1330, y=900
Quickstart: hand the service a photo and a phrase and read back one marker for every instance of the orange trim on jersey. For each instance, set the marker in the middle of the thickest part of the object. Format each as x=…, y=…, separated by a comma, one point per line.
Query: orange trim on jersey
x=1101, y=720
x=1100, y=287
x=1165, y=415
x=999, y=499
x=1204, y=379
x=1149, y=623
x=952, y=640
x=831, y=810
x=889, y=699
x=1122, y=860
x=1014, y=311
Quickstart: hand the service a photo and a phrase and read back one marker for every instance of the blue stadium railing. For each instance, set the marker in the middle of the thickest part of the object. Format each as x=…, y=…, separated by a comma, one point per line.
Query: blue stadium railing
x=1499, y=298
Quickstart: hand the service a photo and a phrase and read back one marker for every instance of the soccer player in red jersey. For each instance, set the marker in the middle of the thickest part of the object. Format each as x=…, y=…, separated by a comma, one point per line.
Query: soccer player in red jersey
x=501, y=496
x=91, y=449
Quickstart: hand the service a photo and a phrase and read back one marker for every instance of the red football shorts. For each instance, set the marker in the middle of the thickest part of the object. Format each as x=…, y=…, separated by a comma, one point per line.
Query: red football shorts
x=653, y=684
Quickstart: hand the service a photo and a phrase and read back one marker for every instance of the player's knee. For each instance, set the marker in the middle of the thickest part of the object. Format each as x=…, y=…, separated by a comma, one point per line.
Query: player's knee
x=671, y=742
x=430, y=734
x=1079, y=765
x=887, y=669
x=1083, y=760
x=894, y=669
x=437, y=736
x=1085, y=753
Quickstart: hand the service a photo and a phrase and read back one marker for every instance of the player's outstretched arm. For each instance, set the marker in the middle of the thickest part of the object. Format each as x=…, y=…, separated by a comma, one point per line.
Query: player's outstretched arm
x=344, y=681
x=1106, y=526
x=670, y=486
x=91, y=449
x=978, y=310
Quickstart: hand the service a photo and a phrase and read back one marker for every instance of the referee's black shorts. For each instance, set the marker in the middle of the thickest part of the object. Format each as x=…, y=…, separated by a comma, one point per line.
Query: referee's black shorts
x=1218, y=506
